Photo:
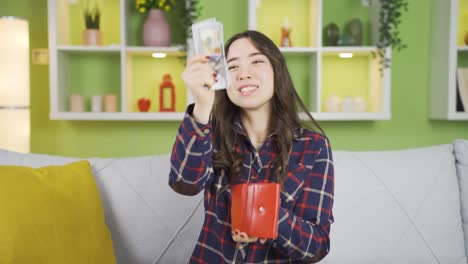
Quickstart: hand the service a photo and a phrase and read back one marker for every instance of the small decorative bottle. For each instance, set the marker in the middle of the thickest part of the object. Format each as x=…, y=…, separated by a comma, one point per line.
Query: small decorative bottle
x=285, y=34
x=167, y=88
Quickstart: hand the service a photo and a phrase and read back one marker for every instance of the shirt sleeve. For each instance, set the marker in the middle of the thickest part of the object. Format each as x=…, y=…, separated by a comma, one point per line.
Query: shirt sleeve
x=191, y=157
x=303, y=232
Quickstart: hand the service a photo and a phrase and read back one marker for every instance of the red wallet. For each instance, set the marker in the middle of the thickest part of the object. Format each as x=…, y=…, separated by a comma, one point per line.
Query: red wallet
x=255, y=209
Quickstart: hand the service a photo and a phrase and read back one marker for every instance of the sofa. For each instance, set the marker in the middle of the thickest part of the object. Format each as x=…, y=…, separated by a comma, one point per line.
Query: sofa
x=403, y=206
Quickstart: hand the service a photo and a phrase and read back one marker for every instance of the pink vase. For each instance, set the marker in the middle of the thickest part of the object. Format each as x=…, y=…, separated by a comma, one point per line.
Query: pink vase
x=156, y=30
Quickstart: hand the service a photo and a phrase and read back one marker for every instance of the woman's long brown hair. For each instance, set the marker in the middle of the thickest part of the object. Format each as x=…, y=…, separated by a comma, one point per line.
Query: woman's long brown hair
x=284, y=118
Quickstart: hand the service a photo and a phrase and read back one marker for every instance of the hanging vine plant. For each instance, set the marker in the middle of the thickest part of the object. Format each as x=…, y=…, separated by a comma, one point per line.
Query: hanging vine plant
x=389, y=34
x=190, y=12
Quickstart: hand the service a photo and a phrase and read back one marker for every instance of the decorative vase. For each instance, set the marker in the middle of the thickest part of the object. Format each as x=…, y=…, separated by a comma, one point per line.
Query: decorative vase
x=331, y=34
x=353, y=29
x=156, y=30
x=92, y=37
x=346, y=40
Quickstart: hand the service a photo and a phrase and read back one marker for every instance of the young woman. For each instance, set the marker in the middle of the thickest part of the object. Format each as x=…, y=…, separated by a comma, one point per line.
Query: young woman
x=251, y=132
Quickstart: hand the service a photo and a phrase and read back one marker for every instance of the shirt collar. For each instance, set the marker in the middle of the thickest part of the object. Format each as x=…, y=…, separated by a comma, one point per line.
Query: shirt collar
x=238, y=128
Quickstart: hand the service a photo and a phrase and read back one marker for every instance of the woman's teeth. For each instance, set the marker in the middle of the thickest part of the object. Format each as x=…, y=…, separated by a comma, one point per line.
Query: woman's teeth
x=248, y=89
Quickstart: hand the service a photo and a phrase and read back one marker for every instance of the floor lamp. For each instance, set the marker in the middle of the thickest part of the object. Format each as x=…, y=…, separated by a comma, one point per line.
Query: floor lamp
x=14, y=85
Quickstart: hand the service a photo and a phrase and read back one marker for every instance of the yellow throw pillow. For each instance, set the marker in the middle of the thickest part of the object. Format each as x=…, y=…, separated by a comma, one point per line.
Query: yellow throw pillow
x=52, y=215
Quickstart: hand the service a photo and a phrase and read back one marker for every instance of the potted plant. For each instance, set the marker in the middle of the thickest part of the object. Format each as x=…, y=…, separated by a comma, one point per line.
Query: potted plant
x=92, y=35
x=156, y=29
x=388, y=34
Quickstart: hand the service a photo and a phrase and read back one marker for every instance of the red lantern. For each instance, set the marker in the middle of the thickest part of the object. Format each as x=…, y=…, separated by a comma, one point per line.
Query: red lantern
x=167, y=85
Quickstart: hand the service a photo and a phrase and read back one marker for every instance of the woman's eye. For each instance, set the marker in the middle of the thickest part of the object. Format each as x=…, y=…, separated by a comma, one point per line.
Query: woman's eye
x=257, y=61
x=232, y=67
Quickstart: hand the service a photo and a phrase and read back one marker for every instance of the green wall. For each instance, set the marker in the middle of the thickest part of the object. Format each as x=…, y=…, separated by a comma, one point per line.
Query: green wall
x=409, y=126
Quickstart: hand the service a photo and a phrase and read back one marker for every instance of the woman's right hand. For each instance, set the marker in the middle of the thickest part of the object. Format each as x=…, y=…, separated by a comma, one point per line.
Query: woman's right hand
x=198, y=76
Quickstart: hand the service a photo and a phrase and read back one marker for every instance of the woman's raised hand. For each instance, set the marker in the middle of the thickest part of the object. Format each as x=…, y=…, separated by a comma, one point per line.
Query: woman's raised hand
x=198, y=76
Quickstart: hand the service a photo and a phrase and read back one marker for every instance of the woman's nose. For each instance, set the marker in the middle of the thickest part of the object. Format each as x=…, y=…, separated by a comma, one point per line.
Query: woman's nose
x=244, y=73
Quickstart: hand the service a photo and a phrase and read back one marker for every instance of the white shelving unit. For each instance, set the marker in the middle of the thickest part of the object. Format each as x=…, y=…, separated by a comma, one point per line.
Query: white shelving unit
x=120, y=116
x=448, y=54
x=69, y=48
x=377, y=83
x=120, y=53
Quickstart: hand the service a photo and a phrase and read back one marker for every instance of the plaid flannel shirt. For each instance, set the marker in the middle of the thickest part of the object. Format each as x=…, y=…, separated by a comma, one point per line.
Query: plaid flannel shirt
x=305, y=215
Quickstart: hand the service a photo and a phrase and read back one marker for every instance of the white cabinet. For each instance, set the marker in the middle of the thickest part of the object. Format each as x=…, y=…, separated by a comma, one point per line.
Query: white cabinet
x=121, y=66
x=329, y=85
x=449, y=55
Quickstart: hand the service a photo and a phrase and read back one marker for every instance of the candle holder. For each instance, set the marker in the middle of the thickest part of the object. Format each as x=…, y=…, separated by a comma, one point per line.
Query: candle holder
x=167, y=88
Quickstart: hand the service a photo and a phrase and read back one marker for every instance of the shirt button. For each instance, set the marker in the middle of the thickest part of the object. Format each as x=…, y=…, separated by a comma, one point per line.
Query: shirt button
x=206, y=130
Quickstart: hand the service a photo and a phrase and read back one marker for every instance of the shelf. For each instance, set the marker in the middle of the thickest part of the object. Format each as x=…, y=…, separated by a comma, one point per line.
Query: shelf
x=342, y=116
x=124, y=67
x=69, y=30
x=139, y=83
x=301, y=16
x=449, y=53
x=121, y=66
x=171, y=51
x=299, y=50
x=133, y=23
x=458, y=116
x=321, y=71
x=178, y=116
x=79, y=49
x=356, y=77
x=341, y=12
x=87, y=74
x=353, y=49
x=121, y=116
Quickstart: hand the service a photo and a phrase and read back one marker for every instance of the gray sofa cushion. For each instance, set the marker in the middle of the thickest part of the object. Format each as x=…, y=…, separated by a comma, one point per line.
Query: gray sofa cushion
x=146, y=218
x=461, y=155
x=396, y=207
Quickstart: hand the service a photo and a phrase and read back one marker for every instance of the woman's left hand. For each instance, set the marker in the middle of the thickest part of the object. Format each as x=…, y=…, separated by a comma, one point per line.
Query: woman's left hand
x=242, y=237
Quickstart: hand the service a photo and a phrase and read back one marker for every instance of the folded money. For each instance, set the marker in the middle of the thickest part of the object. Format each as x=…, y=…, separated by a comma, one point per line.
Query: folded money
x=208, y=40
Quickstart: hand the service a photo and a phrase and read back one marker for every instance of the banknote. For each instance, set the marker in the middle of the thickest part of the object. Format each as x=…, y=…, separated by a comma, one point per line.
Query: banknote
x=208, y=40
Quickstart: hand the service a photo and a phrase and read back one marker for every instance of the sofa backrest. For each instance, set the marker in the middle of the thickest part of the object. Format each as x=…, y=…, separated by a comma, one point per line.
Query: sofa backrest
x=461, y=156
x=397, y=207
x=148, y=221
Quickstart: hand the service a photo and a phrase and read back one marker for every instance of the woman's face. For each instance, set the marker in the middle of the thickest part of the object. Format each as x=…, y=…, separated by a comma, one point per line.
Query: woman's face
x=252, y=82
